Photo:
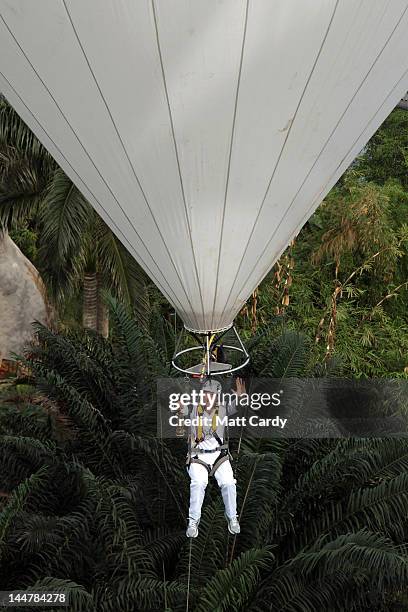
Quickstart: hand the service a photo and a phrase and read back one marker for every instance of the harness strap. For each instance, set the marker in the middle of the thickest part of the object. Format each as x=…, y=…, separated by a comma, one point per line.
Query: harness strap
x=224, y=456
x=200, y=413
x=221, y=459
x=209, y=450
x=197, y=460
x=217, y=437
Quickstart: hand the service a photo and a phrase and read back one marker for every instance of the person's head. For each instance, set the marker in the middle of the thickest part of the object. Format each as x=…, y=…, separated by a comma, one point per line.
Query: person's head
x=209, y=400
x=211, y=389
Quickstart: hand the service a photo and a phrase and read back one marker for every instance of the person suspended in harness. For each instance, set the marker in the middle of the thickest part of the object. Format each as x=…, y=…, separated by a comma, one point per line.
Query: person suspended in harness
x=208, y=455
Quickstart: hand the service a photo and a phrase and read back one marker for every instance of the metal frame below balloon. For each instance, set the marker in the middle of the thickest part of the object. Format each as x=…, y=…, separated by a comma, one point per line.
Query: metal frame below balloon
x=204, y=345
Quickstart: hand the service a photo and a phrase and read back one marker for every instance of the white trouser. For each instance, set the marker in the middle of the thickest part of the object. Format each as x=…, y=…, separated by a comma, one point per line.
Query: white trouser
x=199, y=480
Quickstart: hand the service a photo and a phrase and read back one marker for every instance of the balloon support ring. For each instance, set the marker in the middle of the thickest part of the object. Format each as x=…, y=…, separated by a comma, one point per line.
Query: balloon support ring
x=205, y=343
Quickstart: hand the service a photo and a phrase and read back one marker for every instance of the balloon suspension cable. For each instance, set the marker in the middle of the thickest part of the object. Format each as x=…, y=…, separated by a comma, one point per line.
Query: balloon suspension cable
x=206, y=356
x=205, y=342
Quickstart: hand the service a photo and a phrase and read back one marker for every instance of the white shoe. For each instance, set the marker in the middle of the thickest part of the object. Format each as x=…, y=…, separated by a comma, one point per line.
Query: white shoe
x=192, y=529
x=233, y=526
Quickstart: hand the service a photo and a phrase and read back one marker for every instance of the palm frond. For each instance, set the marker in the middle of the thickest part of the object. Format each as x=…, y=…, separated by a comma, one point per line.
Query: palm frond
x=16, y=502
x=122, y=274
x=375, y=508
x=233, y=587
x=284, y=357
x=336, y=574
x=79, y=598
x=65, y=218
x=258, y=476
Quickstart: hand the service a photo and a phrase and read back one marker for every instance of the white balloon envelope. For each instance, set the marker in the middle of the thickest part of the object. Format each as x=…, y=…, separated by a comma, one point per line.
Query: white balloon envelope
x=204, y=132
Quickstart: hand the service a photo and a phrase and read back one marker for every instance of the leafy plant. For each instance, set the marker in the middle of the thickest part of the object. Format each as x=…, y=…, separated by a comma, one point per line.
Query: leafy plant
x=93, y=502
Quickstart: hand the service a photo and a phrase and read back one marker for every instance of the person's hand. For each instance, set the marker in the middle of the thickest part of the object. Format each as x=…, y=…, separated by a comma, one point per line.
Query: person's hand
x=178, y=409
x=240, y=386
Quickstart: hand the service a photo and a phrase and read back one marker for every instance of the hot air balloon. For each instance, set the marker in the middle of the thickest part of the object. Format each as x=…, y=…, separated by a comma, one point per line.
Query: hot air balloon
x=204, y=132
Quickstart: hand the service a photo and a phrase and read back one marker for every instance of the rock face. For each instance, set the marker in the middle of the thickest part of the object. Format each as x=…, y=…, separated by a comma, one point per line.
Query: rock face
x=22, y=298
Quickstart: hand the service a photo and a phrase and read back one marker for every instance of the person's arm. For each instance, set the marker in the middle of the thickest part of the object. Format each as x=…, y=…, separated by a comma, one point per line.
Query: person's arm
x=181, y=410
x=240, y=389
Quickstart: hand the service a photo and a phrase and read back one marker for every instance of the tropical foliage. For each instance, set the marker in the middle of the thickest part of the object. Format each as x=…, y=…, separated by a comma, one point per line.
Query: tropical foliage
x=75, y=252
x=93, y=502
x=344, y=279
